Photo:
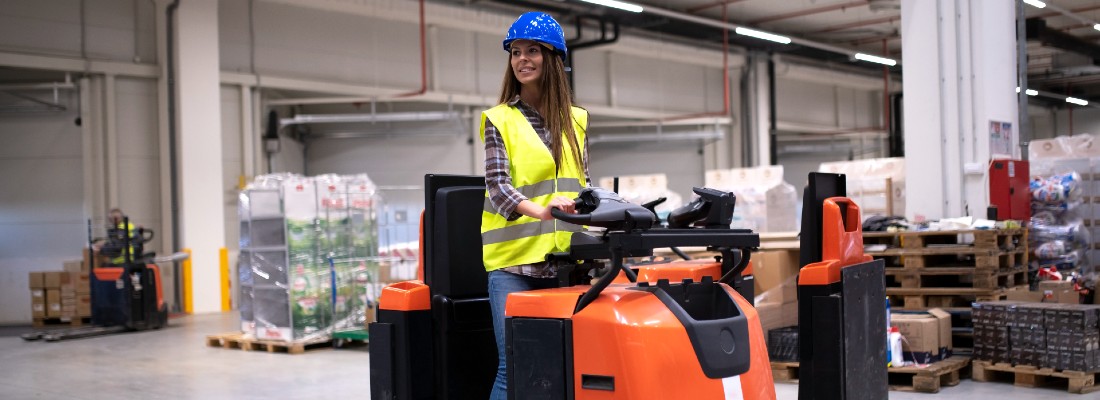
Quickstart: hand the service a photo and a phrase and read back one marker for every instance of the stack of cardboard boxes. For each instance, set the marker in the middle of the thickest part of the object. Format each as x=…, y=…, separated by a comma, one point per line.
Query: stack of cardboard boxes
x=1044, y=335
x=65, y=295
x=776, y=288
x=927, y=334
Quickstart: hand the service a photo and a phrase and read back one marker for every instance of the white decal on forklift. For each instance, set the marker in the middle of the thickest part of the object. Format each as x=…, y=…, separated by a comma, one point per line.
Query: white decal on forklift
x=732, y=388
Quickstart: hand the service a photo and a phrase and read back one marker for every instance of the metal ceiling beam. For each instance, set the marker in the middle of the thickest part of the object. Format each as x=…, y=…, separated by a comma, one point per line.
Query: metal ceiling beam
x=712, y=5
x=1059, y=11
x=809, y=11
x=731, y=26
x=1037, y=29
x=858, y=24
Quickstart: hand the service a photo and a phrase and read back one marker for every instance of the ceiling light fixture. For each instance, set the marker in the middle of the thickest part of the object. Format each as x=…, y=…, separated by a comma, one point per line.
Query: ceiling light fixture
x=1035, y=3
x=617, y=4
x=762, y=35
x=1097, y=27
x=1032, y=92
x=876, y=59
x=1076, y=101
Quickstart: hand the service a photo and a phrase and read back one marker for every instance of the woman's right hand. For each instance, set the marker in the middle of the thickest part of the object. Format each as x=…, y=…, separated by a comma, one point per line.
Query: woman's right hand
x=563, y=203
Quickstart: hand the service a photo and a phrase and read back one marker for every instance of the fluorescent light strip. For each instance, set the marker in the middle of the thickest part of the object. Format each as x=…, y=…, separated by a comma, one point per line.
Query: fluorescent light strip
x=761, y=35
x=1097, y=27
x=876, y=59
x=1032, y=92
x=1035, y=3
x=616, y=4
x=1076, y=101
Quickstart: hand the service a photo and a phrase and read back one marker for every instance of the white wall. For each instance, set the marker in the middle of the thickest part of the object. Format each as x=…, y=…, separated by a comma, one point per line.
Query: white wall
x=42, y=219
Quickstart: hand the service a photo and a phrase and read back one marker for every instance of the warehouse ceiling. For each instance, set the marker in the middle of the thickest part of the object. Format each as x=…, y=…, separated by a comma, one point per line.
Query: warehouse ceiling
x=1064, y=59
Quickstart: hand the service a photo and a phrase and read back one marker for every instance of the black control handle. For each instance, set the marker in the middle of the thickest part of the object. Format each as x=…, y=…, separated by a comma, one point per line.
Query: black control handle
x=579, y=219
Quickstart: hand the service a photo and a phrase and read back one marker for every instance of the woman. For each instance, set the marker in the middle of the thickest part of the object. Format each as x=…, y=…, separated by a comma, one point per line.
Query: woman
x=535, y=160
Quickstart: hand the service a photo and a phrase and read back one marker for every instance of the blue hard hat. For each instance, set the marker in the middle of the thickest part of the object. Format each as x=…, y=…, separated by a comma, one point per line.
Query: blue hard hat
x=539, y=27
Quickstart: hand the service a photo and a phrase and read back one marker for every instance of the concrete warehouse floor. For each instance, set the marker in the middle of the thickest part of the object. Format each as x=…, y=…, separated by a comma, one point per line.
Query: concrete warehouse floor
x=175, y=363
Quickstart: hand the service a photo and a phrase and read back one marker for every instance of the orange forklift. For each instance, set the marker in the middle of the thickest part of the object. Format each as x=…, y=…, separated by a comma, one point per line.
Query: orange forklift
x=676, y=330
x=125, y=297
x=681, y=331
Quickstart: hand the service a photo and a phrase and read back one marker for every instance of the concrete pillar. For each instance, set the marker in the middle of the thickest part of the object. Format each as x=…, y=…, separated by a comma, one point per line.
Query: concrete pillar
x=960, y=75
x=755, y=98
x=202, y=216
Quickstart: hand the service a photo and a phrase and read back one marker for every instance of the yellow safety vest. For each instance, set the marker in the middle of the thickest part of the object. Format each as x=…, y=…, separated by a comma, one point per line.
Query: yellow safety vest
x=527, y=240
x=121, y=259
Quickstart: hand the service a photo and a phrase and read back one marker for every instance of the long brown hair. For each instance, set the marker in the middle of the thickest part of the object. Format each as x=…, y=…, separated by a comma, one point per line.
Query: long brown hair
x=557, y=99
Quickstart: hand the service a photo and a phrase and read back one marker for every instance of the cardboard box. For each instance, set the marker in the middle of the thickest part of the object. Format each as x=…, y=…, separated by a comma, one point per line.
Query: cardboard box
x=927, y=335
x=38, y=303
x=945, y=328
x=1059, y=292
x=84, y=305
x=52, y=279
x=774, y=316
x=786, y=292
x=1022, y=294
x=36, y=280
x=75, y=266
x=773, y=268
x=100, y=261
x=53, y=303
x=76, y=282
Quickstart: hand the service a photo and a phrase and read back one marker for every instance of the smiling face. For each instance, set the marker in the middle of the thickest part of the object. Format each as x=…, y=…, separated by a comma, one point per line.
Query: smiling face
x=526, y=61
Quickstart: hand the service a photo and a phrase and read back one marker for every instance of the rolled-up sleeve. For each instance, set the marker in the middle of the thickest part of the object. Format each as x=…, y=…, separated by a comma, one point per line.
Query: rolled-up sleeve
x=502, y=195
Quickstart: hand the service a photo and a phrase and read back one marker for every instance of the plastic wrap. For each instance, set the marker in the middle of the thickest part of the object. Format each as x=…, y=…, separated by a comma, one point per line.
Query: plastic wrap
x=877, y=185
x=1065, y=193
x=309, y=252
x=764, y=201
x=641, y=189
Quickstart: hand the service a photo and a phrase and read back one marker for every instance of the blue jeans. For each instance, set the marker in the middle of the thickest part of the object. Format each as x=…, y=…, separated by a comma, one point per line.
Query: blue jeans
x=500, y=284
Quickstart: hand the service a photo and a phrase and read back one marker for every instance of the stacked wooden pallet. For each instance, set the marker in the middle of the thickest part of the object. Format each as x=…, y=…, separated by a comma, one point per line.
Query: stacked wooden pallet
x=927, y=379
x=1031, y=376
x=950, y=268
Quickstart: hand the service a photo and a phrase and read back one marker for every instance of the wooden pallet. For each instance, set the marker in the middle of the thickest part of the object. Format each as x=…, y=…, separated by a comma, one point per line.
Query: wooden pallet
x=997, y=250
x=928, y=379
x=951, y=257
x=69, y=321
x=922, y=298
x=785, y=371
x=958, y=277
x=1030, y=376
x=247, y=343
x=992, y=239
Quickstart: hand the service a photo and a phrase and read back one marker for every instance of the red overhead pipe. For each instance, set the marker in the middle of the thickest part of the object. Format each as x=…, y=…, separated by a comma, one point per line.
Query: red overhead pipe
x=423, y=59
x=725, y=81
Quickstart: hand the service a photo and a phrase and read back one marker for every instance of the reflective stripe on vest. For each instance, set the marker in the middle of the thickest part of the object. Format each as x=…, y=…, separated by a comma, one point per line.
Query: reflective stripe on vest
x=541, y=189
x=534, y=174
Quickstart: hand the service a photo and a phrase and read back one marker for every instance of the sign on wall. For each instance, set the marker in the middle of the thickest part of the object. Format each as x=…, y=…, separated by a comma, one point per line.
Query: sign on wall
x=1000, y=139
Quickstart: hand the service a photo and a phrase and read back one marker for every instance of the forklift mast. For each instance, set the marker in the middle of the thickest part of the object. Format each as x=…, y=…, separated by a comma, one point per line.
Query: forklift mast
x=841, y=300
